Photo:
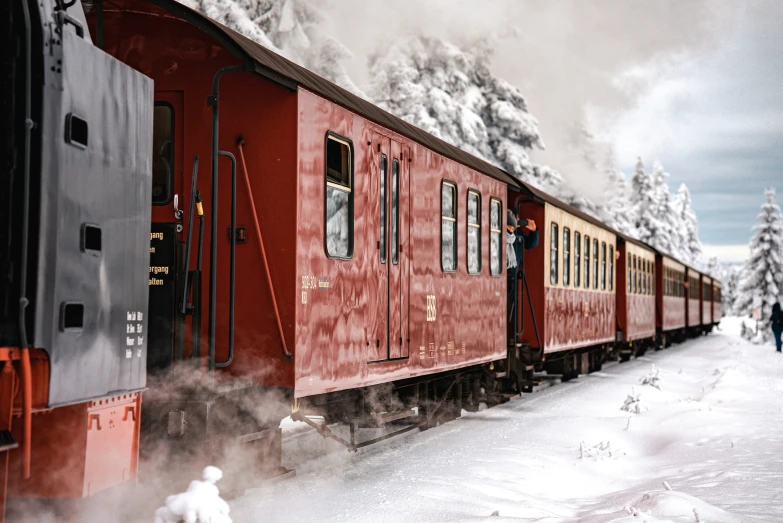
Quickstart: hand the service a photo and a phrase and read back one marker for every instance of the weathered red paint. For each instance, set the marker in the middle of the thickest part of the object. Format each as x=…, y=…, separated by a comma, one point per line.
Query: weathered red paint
x=341, y=331
x=671, y=310
x=567, y=318
x=693, y=317
x=635, y=312
x=706, y=300
x=717, y=312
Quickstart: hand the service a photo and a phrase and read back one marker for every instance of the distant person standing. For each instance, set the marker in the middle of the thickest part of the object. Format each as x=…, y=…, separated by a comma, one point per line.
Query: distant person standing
x=777, y=324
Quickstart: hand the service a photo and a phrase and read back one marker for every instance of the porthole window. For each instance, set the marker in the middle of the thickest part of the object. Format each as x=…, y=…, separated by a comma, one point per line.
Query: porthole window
x=339, y=197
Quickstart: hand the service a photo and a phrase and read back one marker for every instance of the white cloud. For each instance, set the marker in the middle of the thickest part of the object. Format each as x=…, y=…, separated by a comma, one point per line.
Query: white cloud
x=727, y=253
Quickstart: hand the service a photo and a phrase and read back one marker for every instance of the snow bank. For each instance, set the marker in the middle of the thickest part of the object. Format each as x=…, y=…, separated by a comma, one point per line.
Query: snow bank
x=200, y=503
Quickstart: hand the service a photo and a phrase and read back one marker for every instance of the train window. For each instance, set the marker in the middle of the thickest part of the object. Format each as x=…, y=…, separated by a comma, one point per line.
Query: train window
x=339, y=197
x=495, y=237
x=611, y=268
x=474, y=232
x=395, y=218
x=587, y=262
x=635, y=276
x=644, y=276
x=553, y=255
x=595, y=264
x=630, y=273
x=566, y=256
x=162, y=153
x=603, y=266
x=577, y=258
x=448, y=230
x=382, y=224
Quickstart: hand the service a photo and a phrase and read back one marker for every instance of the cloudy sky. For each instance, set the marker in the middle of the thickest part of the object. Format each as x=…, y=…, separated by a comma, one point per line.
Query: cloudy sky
x=695, y=84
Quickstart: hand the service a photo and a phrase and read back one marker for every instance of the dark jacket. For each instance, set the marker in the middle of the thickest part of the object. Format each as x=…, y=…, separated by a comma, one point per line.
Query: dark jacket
x=777, y=318
x=524, y=241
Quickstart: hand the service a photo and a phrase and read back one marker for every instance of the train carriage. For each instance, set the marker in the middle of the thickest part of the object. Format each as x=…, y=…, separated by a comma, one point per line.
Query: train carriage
x=636, y=283
x=717, y=312
x=706, y=303
x=571, y=277
x=671, y=299
x=694, y=308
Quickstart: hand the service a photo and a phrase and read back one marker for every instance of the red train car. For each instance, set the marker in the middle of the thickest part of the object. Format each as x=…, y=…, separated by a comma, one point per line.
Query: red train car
x=636, y=283
x=693, y=310
x=366, y=257
x=706, y=303
x=572, y=285
x=671, y=299
x=717, y=310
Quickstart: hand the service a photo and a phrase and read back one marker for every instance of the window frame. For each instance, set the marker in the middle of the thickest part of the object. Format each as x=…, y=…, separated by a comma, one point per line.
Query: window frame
x=455, y=205
x=596, y=263
x=586, y=257
x=163, y=103
x=383, y=191
x=577, y=260
x=395, y=219
x=566, y=254
x=603, y=266
x=554, y=243
x=468, y=226
x=611, y=268
x=347, y=141
x=493, y=199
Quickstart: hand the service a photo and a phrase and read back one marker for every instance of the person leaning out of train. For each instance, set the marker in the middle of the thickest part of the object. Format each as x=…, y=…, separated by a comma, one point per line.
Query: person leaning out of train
x=777, y=325
x=518, y=239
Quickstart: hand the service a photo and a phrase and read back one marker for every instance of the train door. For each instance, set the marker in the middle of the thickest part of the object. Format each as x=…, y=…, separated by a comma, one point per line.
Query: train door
x=398, y=226
x=389, y=190
x=165, y=340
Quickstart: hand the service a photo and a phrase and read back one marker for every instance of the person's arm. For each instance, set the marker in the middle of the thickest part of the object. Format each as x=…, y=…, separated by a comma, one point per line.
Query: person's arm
x=531, y=240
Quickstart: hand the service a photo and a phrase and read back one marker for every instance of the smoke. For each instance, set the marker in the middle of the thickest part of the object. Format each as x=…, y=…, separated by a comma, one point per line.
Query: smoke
x=580, y=65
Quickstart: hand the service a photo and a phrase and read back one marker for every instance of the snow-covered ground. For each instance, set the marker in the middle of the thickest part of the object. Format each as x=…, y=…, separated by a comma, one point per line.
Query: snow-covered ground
x=713, y=434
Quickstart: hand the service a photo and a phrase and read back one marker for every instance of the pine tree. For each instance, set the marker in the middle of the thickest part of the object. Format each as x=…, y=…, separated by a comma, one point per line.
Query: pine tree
x=713, y=268
x=763, y=272
x=643, y=205
x=688, y=226
x=292, y=28
x=450, y=92
x=663, y=227
x=731, y=278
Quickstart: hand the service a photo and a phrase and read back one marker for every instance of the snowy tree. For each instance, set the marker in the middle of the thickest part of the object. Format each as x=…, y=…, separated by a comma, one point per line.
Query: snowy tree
x=713, y=268
x=292, y=28
x=617, y=211
x=450, y=92
x=663, y=226
x=642, y=204
x=763, y=273
x=689, y=226
x=731, y=278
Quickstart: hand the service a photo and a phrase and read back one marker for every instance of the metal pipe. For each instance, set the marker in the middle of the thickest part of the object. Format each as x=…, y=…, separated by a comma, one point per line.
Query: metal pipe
x=190, y=233
x=213, y=102
x=232, y=262
x=27, y=411
x=195, y=350
x=241, y=144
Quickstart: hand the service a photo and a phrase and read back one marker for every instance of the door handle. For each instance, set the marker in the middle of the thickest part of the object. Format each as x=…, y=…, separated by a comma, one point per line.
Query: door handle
x=177, y=211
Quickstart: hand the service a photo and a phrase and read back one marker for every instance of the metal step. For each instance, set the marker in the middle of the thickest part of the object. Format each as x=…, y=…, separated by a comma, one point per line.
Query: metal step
x=7, y=441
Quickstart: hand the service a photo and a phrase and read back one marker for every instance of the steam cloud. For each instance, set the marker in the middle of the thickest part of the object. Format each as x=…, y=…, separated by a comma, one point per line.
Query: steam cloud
x=580, y=65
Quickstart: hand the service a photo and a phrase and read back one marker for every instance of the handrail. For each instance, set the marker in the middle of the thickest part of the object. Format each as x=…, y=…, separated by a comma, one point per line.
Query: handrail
x=232, y=261
x=189, y=244
x=240, y=144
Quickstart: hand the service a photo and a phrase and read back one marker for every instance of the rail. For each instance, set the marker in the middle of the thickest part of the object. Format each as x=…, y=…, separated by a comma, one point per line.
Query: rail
x=241, y=144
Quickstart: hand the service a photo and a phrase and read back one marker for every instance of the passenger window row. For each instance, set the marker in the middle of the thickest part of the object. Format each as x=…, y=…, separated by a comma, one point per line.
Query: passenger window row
x=605, y=269
x=641, y=276
x=673, y=282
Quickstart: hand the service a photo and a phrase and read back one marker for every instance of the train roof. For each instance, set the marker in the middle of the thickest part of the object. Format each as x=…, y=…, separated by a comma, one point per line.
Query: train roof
x=542, y=196
x=289, y=75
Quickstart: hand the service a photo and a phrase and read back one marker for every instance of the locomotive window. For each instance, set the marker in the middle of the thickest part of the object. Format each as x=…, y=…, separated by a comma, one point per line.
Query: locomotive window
x=382, y=197
x=595, y=264
x=566, y=256
x=603, y=266
x=611, y=268
x=587, y=262
x=162, y=153
x=474, y=232
x=395, y=242
x=495, y=237
x=448, y=221
x=339, y=198
x=577, y=258
x=553, y=255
